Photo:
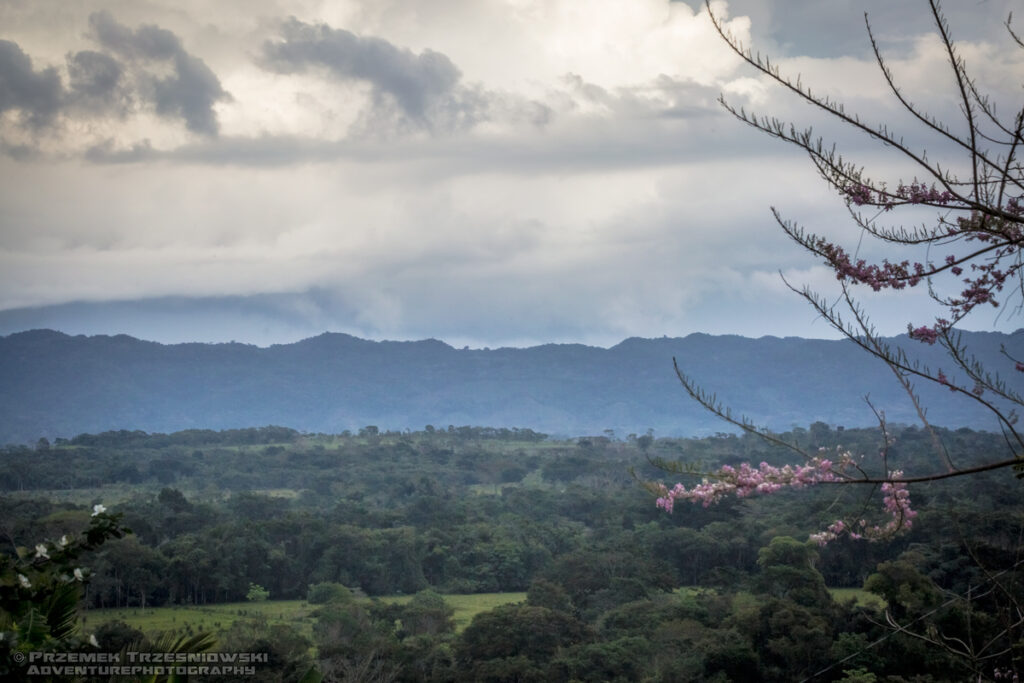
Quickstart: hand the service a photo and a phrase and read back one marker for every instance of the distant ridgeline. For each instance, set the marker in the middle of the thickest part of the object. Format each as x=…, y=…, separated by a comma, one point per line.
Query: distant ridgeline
x=55, y=385
x=273, y=435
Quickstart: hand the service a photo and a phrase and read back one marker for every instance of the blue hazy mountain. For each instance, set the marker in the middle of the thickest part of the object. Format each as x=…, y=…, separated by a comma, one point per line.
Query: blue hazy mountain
x=55, y=385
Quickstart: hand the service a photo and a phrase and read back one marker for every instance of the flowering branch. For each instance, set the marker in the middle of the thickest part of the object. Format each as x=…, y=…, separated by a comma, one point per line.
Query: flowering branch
x=981, y=232
x=746, y=480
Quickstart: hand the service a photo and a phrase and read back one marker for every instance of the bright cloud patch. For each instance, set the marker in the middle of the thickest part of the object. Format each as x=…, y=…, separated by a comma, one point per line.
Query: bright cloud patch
x=495, y=171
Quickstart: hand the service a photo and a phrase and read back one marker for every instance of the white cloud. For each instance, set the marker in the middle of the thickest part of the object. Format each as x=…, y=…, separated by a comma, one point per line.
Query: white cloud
x=600, y=192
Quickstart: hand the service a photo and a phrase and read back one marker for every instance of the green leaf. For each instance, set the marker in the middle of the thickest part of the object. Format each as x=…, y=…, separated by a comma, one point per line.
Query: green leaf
x=32, y=628
x=62, y=610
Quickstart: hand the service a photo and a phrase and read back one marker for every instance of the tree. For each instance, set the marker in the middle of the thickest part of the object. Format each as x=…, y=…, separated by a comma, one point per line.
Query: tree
x=174, y=500
x=40, y=592
x=325, y=592
x=287, y=650
x=127, y=573
x=427, y=614
x=257, y=593
x=787, y=571
x=970, y=257
x=516, y=642
x=352, y=646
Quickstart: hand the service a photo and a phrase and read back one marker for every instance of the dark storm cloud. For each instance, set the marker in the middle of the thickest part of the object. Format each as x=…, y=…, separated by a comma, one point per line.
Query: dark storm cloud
x=97, y=81
x=148, y=42
x=421, y=86
x=37, y=95
x=188, y=93
x=134, y=68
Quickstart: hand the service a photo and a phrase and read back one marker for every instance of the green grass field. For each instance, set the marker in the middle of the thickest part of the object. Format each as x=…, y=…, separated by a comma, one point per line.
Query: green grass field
x=215, y=618
x=860, y=596
x=468, y=606
x=298, y=613
x=294, y=613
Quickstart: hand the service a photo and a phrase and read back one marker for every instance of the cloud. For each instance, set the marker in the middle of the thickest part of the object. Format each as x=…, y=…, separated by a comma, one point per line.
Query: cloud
x=36, y=95
x=97, y=82
x=146, y=42
x=544, y=255
x=488, y=170
x=424, y=88
x=189, y=92
x=143, y=75
x=415, y=81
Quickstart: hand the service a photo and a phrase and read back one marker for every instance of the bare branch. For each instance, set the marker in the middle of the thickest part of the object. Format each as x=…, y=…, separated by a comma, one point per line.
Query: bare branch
x=712, y=404
x=1013, y=34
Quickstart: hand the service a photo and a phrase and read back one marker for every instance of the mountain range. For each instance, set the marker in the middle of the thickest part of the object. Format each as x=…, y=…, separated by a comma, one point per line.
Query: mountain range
x=56, y=385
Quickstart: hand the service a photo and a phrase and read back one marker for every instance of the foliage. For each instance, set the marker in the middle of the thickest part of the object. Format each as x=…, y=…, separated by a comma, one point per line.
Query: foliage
x=256, y=593
x=40, y=591
x=603, y=570
x=325, y=592
x=287, y=650
x=424, y=525
x=40, y=587
x=427, y=614
x=788, y=572
x=516, y=638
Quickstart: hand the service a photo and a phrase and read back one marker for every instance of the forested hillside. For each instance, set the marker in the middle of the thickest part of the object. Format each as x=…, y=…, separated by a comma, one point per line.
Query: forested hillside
x=61, y=386
x=464, y=510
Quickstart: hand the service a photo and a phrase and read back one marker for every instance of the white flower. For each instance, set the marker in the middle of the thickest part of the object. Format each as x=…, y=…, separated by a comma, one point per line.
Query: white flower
x=98, y=510
x=24, y=581
x=41, y=551
x=63, y=541
x=93, y=641
x=78, y=574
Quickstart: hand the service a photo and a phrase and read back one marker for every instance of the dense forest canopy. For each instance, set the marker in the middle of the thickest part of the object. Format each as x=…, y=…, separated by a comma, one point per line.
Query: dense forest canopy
x=469, y=509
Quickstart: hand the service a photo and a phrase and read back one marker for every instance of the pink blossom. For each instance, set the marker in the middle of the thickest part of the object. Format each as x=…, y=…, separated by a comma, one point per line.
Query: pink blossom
x=928, y=335
x=859, y=194
x=915, y=193
x=746, y=480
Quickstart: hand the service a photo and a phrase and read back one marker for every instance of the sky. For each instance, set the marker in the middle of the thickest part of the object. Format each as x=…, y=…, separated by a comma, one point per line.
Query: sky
x=484, y=172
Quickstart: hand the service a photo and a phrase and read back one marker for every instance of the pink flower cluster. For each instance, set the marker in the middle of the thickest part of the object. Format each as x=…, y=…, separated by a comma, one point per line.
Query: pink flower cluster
x=915, y=193
x=929, y=335
x=888, y=275
x=980, y=289
x=834, y=531
x=746, y=480
x=1001, y=228
x=895, y=500
x=919, y=193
